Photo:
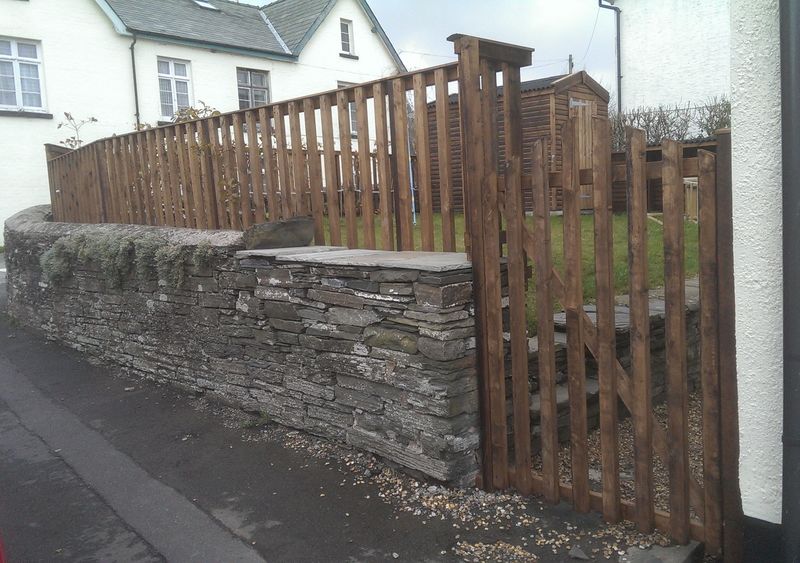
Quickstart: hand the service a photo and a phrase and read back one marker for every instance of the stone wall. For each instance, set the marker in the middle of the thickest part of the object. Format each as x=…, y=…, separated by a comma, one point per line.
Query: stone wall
x=375, y=349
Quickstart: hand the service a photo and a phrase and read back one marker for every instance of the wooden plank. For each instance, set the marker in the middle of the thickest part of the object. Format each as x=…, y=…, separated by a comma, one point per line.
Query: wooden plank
x=124, y=167
x=732, y=517
x=140, y=165
x=573, y=307
x=161, y=179
x=179, y=197
x=384, y=177
x=423, y=176
x=331, y=175
x=517, y=262
x=675, y=341
x=348, y=184
x=606, y=349
x=282, y=157
x=241, y=191
x=100, y=181
x=194, y=216
x=641, y=412
x=314, y=172
x=493, y=318
x=543, y=262
x=400, y=151
x=299, y=172
x=709, y=359
x=443, y=152
x=365, y=167
x=218, y=166
x=154, y=179
x=273, y=208
x=115, y=195
x=231, y=180
x=199, y=190
x=256, y=167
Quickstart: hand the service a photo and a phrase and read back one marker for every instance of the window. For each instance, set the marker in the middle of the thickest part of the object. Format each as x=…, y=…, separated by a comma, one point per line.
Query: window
x=346, y=27
x=21, y=75
x=253, y=87
x=352, y=108
x=173, y=86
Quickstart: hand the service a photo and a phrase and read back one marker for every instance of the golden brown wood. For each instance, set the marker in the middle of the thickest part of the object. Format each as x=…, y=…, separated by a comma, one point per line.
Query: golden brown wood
x=400, y=151
x=233, y=203
x=161, y=179
x=606, y=349
x=573, y=307
x=299, y=172
x=365, y=168
x=283, y=162
x=709, y=359
x=183, y=178
x=517, y=262
x=384, y=176
x=273, y=208
x=241, y=189
x=348, y=184
x=675, y=341
x=218, y=166
x=423, y=175
x=640, y=329
x=197, y=189
x=331, y=174
x=314, y=172
x=443, y=152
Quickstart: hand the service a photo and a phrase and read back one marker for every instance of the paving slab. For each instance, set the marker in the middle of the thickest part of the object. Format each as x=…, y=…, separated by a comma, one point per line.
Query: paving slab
x=408, y=260
x=657, y=554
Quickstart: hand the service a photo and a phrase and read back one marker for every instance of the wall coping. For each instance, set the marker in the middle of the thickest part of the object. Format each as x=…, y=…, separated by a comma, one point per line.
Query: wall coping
x=35, y=221
x=364, y=258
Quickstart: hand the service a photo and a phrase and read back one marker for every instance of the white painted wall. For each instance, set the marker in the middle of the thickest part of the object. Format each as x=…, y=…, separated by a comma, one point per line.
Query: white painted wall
x=87, y=71
x=757, y=223
x=674, y=51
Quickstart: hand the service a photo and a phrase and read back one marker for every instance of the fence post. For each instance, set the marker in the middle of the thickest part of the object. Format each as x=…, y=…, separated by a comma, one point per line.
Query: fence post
x=732, y=519
x=479, y=60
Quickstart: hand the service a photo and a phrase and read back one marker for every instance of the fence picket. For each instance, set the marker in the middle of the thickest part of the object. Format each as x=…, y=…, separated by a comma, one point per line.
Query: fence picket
x=640, y=329
x=606, y=348
x=242, y=177
x=423, y=174
x=256, y=167
x=443, y=152
x=331, y=175
x=282, y=157
x=384, y=166
x=365, y=168
x=400, y=153
x=346, y=150
x=298, y=162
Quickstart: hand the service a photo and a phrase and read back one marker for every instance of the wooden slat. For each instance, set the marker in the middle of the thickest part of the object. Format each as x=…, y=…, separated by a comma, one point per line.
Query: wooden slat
x=179, y=199
x=384, y=177
x=115, y=196
x=543, y=263
x=399, y=112
x=348, y=183
x=217, y=164
x=282, y=158
x=423, y=176
x=573, y=306
x=166, y=202
x=493, y=317
x=443, y=152
x=124, y=146
x=100, y=181
x=604, y=283
x=675, y=341
x=256, y=167
x=231, y=180
x=331, y=176
x=194, y=217
x=273, y=208
x=365, y=167
x=242, y=185
x=732, y=517
x=299, y=172
x=139, y=165
x=158, y=201
x=197, y=188
x=640, y=329
x=515, y=220
x=709, y=359
x=314, y=172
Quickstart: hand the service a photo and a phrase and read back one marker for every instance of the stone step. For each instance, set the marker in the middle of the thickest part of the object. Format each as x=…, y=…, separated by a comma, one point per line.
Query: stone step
x=562, y=398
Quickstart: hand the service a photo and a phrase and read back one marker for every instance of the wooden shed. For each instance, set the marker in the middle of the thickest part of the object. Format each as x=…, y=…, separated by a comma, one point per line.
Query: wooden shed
x=546, y=105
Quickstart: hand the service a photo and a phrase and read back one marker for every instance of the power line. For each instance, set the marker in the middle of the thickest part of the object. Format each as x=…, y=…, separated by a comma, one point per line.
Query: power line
x=594, y=28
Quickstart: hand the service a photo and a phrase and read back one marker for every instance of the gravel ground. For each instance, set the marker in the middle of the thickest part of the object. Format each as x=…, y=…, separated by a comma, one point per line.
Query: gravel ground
x=501, y=526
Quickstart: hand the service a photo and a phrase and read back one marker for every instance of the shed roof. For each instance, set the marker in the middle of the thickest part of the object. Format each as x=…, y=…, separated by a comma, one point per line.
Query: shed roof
x=558, y=82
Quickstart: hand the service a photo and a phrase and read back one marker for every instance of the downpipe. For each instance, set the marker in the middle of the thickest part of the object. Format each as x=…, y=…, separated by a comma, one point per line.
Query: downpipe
x=617, y=13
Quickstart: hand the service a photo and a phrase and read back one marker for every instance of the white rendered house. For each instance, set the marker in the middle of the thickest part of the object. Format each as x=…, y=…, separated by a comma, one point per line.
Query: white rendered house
x=129, y=62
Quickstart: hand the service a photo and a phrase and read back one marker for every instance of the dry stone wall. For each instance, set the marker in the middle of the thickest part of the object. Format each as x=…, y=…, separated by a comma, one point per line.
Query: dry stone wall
x=374, y=349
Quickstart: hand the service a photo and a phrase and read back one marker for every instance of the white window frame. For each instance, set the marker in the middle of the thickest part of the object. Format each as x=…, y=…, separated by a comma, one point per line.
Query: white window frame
x=15, y=60
x=351, y=44
x=250, y=87
x=173, y=78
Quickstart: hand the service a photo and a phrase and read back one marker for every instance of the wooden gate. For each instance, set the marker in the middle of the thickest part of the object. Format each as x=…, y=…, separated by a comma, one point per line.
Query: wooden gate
x=506, y=239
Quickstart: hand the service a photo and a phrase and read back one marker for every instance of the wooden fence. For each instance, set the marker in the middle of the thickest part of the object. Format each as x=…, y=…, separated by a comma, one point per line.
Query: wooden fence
x=296, y=157
x=699, y=505
x=299, y=157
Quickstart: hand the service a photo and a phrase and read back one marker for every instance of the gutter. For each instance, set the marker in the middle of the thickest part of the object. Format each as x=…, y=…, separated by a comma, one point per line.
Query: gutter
x=790, y=144
x=135, y=83
x=617, y=11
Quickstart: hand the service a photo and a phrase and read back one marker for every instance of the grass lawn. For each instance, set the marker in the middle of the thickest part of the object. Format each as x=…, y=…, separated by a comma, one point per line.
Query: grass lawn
x=620, y=225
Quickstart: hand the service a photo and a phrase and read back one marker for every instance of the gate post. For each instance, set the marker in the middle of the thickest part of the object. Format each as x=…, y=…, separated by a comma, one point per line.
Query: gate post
x=478, y=63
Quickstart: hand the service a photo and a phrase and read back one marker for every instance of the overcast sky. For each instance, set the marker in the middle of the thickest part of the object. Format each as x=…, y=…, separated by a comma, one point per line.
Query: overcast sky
x=555, y=28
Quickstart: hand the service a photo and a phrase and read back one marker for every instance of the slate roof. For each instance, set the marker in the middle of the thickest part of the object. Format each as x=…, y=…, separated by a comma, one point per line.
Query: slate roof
x=295, y=19
x=235, y=25
x=280, y=28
